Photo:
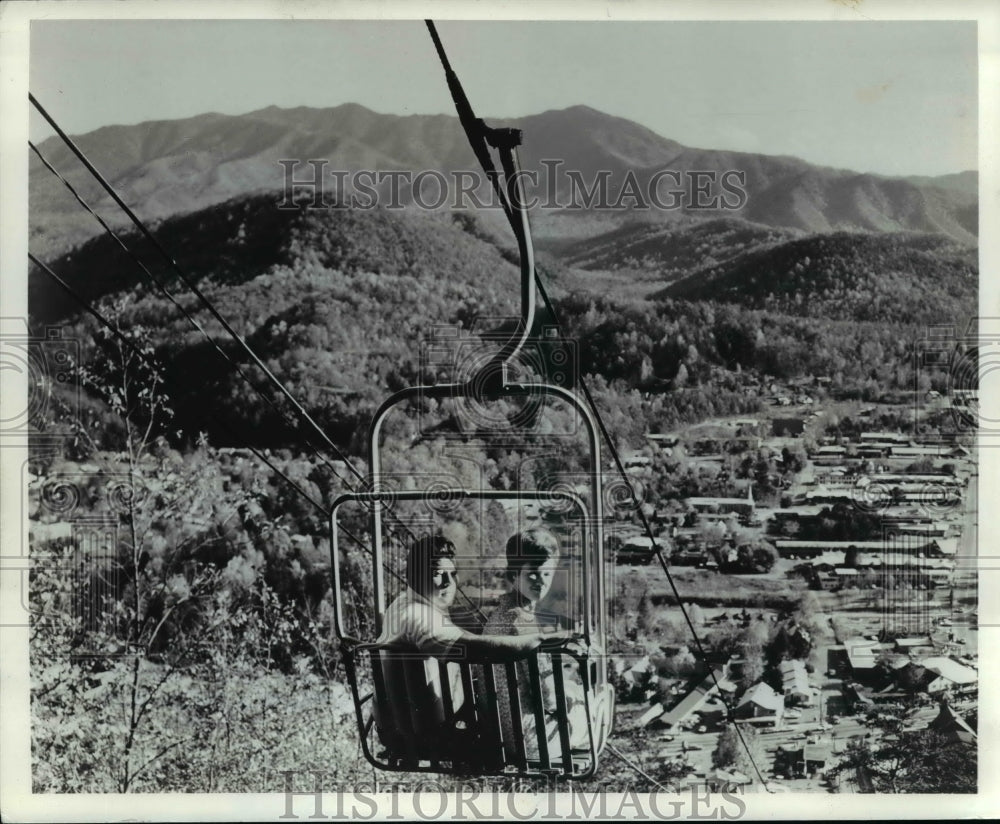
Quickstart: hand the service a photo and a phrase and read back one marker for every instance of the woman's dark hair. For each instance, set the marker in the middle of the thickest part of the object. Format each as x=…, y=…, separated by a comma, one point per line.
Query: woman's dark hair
x=530, y=547
x=424, y=552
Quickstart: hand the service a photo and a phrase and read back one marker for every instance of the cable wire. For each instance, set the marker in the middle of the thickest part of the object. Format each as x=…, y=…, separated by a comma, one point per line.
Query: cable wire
x=396, y=520
x=304, y=415
x=476, y=131
x=166, y=293
x=282, y=413
x=137, y=350
x=649, y=532
x=621, y=756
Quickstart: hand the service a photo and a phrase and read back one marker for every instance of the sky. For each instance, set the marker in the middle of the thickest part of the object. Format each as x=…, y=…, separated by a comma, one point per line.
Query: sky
x=893, y=98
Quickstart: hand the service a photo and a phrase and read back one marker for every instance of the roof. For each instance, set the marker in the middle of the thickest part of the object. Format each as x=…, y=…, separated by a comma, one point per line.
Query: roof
x=694, y=699
x=794, y=678
x=861, y=652
x=952, y=670
x=763, y=696
x=705, y=501
x=919, y=641
x=651, y=714
x=816, y=752
x=834, y=546
x=951, y=724
x=894, y=437
x=946, y=546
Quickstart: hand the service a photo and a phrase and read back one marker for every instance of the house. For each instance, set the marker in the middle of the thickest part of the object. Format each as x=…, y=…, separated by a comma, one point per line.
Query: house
x=937, y=547
x=638, y=549
x=829, y=452
x=637, y=464
x=925, y=451
x=743, y=507
x=815, y=549
x=663, y=441
x=951, y=675
x=911, y=678
x=885, y=438
x=857, y=697
x=908, y=644
x=964, y=397
x=861, y=653
x=761, y=704
x=795, y=683
x=691, y=702
x=807, y=760
x=724, y=781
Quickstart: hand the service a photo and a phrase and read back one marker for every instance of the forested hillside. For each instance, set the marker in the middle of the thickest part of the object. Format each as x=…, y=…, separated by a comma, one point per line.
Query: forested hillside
x=339, y=303
x=894, y=278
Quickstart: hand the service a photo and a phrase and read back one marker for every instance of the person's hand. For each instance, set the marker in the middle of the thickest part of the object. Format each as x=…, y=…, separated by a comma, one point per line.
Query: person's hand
x=557, y=638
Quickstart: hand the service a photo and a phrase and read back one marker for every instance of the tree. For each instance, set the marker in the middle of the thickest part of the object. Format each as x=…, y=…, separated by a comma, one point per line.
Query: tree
x=764, y=558
x=681, y=378
x=733, y=753
x=913, y=761
x=696, y=615
x=177, y=643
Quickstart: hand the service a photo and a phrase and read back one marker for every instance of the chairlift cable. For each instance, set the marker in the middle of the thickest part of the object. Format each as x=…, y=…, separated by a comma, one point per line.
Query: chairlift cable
x=617, y=753
x=134, y=347
x=283, y=413
x=475, y=129
x=173, y=300
x=649, y=532
x=192, y=286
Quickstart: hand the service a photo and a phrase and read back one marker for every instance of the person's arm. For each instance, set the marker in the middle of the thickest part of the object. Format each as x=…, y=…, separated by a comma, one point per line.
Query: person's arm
x=503, y=647
x=433, y=636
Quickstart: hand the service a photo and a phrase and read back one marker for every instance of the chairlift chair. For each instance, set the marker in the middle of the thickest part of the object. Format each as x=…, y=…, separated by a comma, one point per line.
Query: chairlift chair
x=403, y=700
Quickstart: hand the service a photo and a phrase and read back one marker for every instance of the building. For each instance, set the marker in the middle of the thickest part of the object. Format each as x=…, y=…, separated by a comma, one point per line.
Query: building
x=908, y=644
x=743, y=507
x=795, y=683
x=815, y=549
x=761, y=704
x=951, y=675
x=862, y=654
x=690, y=703
x=665, y=443
x=885, y=438
x=800, y=762
x=937, y=547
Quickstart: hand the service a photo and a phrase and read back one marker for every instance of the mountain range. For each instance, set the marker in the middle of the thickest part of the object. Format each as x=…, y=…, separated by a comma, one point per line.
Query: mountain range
x=164, y=168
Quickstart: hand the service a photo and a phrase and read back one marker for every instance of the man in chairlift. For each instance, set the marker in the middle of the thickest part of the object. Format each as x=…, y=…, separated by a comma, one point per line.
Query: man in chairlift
x=418, y=621
x=532, y=561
